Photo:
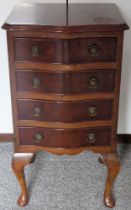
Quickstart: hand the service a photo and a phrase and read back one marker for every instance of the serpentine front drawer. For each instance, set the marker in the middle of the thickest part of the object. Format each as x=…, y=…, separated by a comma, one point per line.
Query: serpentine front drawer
x=88, y=81
x=68, y=51
x=71, y=138
x=67, y=112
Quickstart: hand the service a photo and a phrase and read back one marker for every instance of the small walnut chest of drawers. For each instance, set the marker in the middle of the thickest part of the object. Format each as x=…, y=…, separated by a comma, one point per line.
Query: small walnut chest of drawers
x=65, y=69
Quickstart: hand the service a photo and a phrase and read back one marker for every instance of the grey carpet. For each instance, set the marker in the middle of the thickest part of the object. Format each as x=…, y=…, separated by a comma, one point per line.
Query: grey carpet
x=64, y=182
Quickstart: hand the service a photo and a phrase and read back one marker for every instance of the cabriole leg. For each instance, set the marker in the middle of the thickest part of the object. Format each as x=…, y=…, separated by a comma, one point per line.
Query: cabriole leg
x=113, y=166
x=19, y=161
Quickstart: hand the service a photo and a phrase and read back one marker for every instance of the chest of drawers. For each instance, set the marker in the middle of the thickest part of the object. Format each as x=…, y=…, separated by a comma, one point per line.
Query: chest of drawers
x=65, y=68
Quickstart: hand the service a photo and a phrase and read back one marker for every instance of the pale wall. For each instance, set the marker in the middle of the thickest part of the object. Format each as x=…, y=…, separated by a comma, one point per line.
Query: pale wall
x=125, y=99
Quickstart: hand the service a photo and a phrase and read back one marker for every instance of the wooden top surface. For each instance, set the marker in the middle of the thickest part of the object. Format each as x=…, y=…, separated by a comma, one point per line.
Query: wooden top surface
x=57, y=16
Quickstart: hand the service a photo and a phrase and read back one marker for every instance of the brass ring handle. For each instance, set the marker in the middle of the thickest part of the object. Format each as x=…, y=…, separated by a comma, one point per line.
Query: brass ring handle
x=91, y=137
x=37, y=111
x=35, y=51
x=38, y=137
x=94, y=50
x=92, y=111
x=35, y=82
x=93, y=82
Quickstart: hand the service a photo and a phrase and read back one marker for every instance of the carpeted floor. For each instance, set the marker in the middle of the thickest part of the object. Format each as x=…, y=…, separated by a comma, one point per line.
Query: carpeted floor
x=64, y=182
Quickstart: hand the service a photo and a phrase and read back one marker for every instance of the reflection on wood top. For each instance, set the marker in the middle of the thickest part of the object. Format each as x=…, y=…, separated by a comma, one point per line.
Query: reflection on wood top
x=58, y=17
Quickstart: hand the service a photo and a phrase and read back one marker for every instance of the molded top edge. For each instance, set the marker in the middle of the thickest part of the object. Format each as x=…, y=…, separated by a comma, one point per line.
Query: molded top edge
x=59, y=18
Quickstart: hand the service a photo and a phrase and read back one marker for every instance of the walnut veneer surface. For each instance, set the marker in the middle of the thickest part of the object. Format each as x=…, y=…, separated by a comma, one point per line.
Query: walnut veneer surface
x=65, y=69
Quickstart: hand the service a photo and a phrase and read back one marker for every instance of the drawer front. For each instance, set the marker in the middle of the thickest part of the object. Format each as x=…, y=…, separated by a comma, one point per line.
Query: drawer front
x=38, y=50
x=92, y=50
x=64, y=111
x=68, y=51
x=65, y=83
x=60, y=138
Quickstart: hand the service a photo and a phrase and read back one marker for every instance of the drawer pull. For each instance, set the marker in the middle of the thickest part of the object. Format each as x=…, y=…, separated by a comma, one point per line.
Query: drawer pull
x=35, y=82
x=35, y=51
x=93, y=82
x=91, y=137
x=37, y=111
x=38, y=137
x=92, y=111
x=94, y=50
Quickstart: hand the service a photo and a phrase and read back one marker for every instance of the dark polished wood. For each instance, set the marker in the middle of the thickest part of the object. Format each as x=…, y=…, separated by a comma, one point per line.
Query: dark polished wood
x=61, y=97
x=121, y=138
x=61, y=138
x=65, y=71
x=64, y=111
x=64, y=151
x=68, y=51
x=50, y=67
x=113, y=166
x=65, y=83
x=85, y=17
x=19, y=161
